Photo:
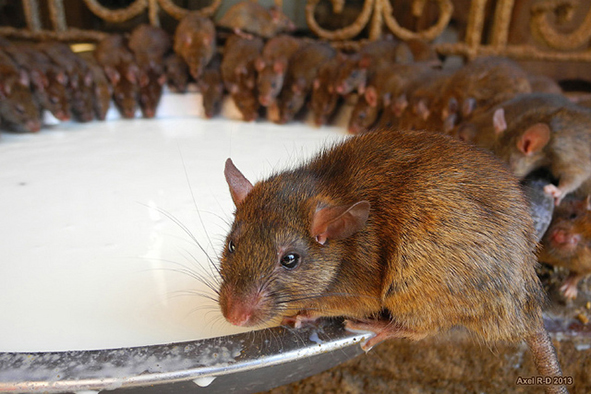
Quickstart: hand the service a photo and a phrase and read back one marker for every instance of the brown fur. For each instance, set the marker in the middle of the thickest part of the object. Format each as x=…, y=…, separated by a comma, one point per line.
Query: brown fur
x=195, y=42
x=300, y=76
x=251, y=17
x=449, y=241
x=567, y=154
x=239, y=74
x=566, y=243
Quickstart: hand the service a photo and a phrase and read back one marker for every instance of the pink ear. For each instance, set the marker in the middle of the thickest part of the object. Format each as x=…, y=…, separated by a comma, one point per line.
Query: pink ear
x=422, y=110
x=588, y=202
x=279, y=67
x=259, y=64
x=365, y=61
x=339, y=222
x=63, y=79
x=371, y=96
x=316, y=83
x=534, y=139
x=468, y=106
x=113, y=75
x=239, y=185
x=499, y=122
x=24, y=78
x=400, y=105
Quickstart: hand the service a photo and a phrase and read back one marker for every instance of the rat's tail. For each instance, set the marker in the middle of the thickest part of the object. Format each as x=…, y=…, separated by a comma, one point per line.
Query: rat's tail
x=545, y=360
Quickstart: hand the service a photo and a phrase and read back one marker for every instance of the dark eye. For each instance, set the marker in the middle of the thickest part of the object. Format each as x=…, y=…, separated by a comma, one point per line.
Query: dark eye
x=573, y=216
x=231, y=247
x=362, y=115
x=273, y=84
x=290, y=261
x=354, y=74
x=54, y=99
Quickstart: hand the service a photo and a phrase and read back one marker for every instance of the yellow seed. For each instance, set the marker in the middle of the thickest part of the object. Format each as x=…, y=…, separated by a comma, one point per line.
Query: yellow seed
x=588, y=305
x=583, y=318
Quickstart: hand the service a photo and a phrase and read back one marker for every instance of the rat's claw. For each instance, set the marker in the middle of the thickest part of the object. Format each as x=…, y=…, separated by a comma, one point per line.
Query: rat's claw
x=569, y=290
x=298, y=321
x=554, y=191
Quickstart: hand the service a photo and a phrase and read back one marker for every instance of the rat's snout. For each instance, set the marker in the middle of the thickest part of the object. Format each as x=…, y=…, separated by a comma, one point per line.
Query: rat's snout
x=241, y=310
x=564, y=239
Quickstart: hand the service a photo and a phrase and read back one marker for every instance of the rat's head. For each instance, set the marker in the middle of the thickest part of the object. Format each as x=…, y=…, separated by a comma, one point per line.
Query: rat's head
x=323, y=101
x=150, y=93
x=570, y=230
x=365, y=111
x=17, y=105
x=524, y=151
x=269, y=80
x=281, y=253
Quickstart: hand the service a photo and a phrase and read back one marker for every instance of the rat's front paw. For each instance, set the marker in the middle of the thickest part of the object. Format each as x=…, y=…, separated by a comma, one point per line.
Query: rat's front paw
x=298, y=321
x=555, y=192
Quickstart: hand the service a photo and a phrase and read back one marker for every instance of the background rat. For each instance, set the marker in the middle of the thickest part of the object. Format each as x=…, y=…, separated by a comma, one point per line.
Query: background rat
x=80, y=81
x=251, y=17
x=177, y=73
x=272, y=65
x=18, y=110
x=149, y=44
x=554, y=136
x=194, y=41
x=123, y=73
x=382, y=230
x=211, y=87
x=239, y=74
x=567, y=242
x=301, y=73
x=324, y=99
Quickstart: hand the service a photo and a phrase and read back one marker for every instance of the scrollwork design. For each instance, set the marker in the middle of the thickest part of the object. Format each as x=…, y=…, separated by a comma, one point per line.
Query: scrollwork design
x=178, y=12
x=344, y=33
x=564, y=11
x=382, y=10
x=117, y=16
x=445, y=11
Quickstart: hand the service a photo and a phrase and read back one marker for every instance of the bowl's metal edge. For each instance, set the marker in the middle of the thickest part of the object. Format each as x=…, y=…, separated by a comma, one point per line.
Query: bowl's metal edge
x=96, y=370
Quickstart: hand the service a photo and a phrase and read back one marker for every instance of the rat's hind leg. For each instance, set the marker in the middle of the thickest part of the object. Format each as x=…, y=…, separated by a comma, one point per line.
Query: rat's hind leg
x=383, y=329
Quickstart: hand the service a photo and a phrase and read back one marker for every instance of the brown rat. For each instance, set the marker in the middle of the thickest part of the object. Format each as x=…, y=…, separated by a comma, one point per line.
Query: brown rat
x=251, y=17
x=388, y=87
x=272, y=65
x=149, y=44
x=18, y=110
x=485, y=127
x=211, y=86
x=480, y=84
x=404, y=235
x=80, y=81
x=102, y=89
x=556, y=136
x=177, y=73
x=195, y=42
x=119, y=65
x=357, y=68
x=300, y=76
x=543, y=84
x=324, y=98
x=567, y=242
x=239, y=74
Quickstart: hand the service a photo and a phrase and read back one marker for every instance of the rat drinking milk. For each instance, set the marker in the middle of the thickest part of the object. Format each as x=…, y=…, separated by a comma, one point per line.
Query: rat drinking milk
x=403, y=233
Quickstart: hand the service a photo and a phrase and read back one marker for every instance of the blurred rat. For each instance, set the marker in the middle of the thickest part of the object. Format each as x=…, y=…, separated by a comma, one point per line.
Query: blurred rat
x=556, y=135
x=404, y=235
x=195, y=42
x=251, y=17
x=301, y=73
x=239, y=74
x=567, y=242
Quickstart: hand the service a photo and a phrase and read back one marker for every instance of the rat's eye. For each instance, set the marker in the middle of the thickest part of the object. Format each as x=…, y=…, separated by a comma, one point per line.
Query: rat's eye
x=573, y=216
x=290, y=261
x=231, y=247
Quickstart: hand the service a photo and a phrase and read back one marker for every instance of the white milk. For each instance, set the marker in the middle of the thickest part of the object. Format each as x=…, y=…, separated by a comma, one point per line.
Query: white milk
x=89, y=258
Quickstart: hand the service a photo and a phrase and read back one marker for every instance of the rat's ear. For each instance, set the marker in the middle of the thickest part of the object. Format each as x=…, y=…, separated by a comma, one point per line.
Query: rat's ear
x=534, y=139
x=339, y=222
x=239, y=185
x=499, y=121
x=371, y=96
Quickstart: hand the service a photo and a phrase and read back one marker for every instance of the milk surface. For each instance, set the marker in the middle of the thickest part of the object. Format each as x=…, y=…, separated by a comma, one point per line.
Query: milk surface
x=98, y=220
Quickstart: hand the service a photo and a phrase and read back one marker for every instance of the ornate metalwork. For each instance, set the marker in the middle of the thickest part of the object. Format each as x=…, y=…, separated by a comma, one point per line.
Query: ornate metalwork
x=376, y=15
